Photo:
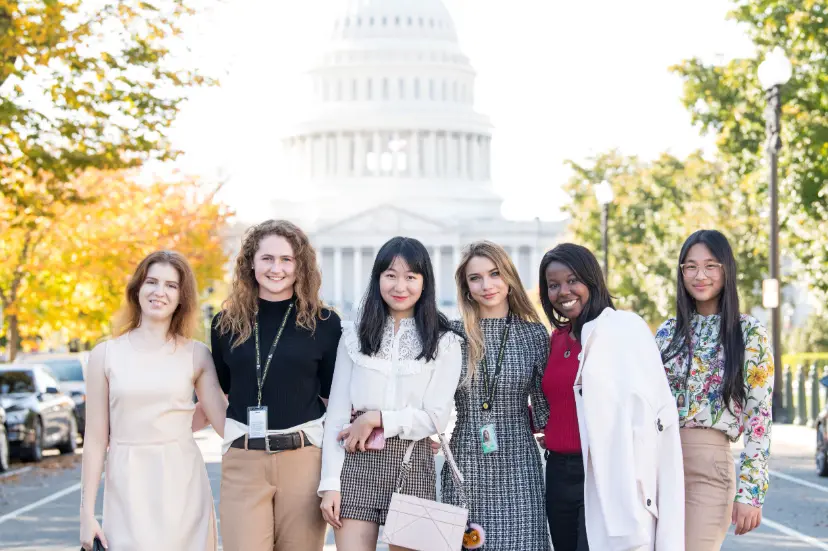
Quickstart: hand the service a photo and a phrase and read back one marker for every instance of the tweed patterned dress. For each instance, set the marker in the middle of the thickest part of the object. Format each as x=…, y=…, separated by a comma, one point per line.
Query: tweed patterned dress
x=505, y=489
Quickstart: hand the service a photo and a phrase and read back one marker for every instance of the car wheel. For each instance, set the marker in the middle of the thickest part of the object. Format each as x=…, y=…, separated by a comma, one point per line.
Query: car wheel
x=71, y=442
x=4, y=450
x=81, y=428
x=35, y=453
x=821, y=453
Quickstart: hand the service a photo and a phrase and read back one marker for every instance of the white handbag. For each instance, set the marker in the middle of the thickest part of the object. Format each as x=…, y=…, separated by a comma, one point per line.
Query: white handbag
x=422, y=524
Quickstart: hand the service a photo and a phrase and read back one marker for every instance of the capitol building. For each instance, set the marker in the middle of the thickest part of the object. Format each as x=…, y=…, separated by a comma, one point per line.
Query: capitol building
x=393, y=145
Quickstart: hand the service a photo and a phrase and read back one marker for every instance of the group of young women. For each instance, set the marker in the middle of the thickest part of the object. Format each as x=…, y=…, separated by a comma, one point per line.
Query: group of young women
x=319, y=414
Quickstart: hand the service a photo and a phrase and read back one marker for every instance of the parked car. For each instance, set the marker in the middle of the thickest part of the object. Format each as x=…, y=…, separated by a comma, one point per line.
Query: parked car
x=4, y=443
x=38, y=415
x=822, y=437
x=70, y=371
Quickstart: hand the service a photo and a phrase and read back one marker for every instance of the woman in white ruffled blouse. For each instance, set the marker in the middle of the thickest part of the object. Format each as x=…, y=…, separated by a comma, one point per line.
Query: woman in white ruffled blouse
x=399, y=362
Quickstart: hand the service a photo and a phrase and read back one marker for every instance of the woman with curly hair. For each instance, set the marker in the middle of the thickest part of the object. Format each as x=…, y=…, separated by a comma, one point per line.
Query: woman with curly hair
x=274, y=345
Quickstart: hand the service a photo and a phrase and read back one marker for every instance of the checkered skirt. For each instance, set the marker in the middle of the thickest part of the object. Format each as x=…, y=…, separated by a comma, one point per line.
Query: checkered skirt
x=369, y=478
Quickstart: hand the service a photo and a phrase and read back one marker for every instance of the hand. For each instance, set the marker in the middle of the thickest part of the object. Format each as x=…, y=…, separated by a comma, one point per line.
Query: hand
x=541, y=440
x=356, y=435
x=745, y=518
x=435, y=446
x=90, y=529
x=200, y=420
x=330, y=508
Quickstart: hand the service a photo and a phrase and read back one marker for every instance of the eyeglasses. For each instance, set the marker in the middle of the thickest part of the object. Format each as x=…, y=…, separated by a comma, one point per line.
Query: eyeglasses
x=712, y=270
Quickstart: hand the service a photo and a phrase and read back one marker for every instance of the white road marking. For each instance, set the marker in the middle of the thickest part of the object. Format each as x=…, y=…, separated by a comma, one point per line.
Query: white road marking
x=794, y=479
x=13, y=472
x=800, y=481
x=57, y=495
x=813, y=542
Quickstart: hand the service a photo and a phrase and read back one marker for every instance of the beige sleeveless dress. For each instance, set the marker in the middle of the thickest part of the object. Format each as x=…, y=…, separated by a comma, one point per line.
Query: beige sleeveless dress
x=156, y=494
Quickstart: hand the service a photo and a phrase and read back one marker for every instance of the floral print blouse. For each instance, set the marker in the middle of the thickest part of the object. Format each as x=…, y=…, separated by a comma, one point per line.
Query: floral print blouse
x=706, y=408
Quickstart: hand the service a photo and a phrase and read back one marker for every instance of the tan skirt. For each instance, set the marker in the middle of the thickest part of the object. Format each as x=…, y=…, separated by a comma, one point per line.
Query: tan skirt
x=709, y=488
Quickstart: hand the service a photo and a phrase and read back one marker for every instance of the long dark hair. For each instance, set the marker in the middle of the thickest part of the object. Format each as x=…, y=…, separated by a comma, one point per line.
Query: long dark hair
x=430, y=322
x=730, y=330
x=586, y=268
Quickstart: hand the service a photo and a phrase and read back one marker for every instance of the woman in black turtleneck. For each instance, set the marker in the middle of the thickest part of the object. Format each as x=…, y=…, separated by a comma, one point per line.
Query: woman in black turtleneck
x=269, y=500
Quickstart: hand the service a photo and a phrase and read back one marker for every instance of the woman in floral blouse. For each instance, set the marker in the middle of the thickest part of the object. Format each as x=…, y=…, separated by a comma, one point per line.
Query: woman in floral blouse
x=720, y=366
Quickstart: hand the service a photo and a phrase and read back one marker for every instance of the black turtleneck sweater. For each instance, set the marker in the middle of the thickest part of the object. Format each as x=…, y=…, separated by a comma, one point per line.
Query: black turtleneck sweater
x=300, y=372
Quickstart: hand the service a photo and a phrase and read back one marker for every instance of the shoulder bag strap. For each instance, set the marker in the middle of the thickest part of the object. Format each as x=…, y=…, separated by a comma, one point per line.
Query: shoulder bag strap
x=455, y=470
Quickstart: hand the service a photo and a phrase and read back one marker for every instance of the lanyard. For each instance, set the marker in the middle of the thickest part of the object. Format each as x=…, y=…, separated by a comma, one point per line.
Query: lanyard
x=488, y=394
x=260, y=378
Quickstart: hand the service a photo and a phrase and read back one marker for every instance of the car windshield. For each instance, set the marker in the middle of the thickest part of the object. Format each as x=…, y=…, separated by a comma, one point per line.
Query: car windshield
x=16, y=381
x=65, y=370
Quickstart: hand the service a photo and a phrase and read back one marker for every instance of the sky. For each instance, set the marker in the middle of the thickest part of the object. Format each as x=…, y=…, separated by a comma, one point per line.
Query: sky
x=559, y=80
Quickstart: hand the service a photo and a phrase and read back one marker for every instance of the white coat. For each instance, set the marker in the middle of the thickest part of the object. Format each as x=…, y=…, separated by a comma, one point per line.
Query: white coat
x=628, y=421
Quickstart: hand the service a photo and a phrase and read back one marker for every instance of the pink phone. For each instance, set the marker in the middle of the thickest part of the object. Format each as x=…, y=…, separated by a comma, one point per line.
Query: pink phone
x=376, y=440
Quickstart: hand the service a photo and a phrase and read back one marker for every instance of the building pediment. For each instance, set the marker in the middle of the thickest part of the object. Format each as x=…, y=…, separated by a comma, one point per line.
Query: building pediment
x=386, y=220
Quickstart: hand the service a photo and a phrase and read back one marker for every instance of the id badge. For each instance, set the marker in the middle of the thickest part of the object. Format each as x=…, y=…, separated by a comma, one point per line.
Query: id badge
x=682, y=403
x=488, y=439
x=257, y=422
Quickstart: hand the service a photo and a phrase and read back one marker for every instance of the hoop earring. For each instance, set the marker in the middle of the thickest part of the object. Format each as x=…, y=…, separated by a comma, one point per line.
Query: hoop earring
x=468, y=296
x=510, y=291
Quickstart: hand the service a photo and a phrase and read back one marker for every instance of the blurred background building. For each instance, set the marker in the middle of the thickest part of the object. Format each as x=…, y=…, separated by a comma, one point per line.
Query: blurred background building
x=393, y=145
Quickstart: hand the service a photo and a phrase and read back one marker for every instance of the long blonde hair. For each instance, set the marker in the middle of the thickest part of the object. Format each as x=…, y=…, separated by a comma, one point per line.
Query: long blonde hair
x=184, y=319
x=241, y=306
x=519, y=304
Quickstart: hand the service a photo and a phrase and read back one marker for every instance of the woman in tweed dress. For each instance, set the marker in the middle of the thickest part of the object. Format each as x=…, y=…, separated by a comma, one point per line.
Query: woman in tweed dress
x=492, y=440
x=400, y=362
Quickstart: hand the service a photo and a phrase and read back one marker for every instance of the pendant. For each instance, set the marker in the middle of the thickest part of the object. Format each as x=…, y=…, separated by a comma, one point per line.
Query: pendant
x=485, y=405
x=566, y=354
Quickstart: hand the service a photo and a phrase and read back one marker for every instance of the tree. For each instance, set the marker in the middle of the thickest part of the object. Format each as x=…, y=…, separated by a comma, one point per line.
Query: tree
x=657, y=206
x=811, y=337
x=727, y=100
x=64, y=266
x=85, y=86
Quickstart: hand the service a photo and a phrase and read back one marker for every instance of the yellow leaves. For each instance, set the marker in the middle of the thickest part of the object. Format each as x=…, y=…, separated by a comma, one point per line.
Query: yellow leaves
x=75, y=278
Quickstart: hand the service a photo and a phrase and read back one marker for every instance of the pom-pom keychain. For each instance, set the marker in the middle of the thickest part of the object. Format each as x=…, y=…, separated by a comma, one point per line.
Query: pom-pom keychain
x=474, y=537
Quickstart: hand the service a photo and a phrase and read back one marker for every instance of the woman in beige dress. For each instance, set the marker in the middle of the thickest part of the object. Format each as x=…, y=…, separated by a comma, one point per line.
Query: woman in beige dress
x=140, y=405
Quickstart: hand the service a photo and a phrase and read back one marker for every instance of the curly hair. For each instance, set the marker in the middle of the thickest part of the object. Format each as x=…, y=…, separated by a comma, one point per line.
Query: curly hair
x=184, y=319
x=519, y=303
x=240, y=308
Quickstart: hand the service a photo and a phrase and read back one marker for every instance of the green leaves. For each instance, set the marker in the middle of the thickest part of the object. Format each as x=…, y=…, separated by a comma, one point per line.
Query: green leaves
x=79, y=99
x=657, y=206
x=728, y=101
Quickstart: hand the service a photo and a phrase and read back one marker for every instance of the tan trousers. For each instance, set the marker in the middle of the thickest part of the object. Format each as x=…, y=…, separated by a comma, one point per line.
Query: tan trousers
x=709, y=488
x=269, y=502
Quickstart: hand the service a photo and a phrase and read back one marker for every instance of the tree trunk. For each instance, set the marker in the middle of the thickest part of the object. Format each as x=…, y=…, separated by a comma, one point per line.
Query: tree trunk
x=5, y=23
x=14, y=337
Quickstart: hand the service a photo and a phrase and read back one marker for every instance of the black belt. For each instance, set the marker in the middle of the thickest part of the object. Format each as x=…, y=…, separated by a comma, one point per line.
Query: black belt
x=273, y=443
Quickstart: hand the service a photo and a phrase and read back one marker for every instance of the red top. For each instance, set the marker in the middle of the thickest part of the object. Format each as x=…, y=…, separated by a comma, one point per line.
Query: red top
x=562, y=434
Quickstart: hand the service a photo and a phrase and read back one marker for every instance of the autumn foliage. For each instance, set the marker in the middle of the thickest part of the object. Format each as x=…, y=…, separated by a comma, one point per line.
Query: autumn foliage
x=64, y=266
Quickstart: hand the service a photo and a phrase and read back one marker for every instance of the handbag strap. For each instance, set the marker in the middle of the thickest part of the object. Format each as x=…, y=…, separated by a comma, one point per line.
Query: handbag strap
x=455, y=470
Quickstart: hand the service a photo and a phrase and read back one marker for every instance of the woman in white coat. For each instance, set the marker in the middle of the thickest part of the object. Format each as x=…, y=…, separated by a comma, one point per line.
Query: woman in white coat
x=627, y=418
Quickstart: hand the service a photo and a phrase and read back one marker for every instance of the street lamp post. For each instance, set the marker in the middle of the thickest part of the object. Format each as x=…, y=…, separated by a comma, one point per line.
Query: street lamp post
x=604, y=194
x=773, y=73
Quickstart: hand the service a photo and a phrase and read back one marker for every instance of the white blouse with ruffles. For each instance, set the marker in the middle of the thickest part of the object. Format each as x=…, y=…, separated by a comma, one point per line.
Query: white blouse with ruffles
x=392, y=381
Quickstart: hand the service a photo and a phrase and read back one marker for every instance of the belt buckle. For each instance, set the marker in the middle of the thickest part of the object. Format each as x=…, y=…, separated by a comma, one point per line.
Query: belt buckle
x=267, y=446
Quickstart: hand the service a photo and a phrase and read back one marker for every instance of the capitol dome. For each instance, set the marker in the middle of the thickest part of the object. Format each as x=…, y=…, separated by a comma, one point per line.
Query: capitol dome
x=396, y=19
x=392, y=117
x=391, y=144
